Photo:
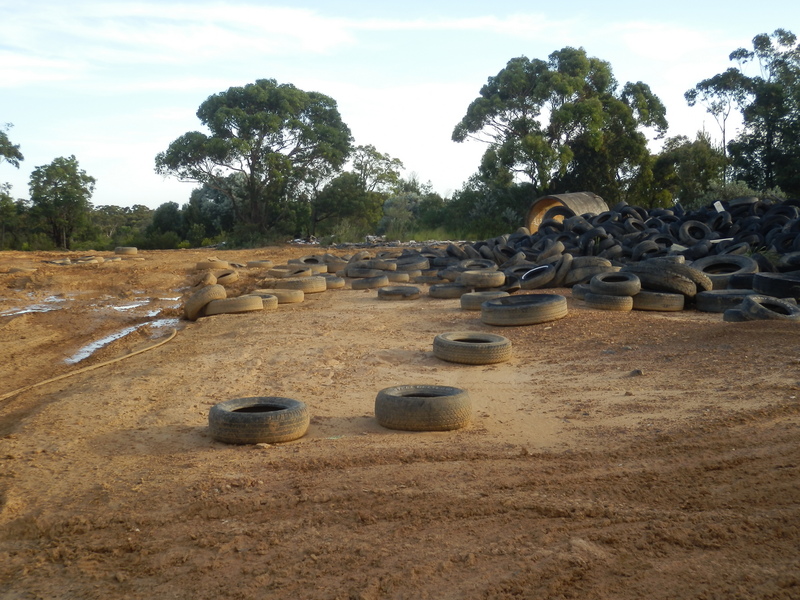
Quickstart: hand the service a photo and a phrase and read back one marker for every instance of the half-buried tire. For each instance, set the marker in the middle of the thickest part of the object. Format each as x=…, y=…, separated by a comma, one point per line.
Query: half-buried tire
x=258, y=420
x=423, y=408
x=233, y=305
x=524, y=310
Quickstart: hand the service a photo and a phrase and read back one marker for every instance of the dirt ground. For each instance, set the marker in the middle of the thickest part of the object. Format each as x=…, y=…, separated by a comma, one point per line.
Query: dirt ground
x=617, y=455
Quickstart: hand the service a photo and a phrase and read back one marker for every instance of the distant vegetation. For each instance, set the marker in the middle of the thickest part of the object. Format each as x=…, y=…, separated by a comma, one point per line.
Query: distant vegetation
x=279, y=163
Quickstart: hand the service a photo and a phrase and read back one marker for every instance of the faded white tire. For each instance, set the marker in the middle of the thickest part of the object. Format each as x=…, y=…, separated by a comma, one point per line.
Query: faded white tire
x=270, y=301
x=126, y=250
x=260, y=264
x=448, y=290
x=472, y=348
x=473, y=300
x=399, y=292
x=423, y=408
x=369, y=283
x=284, y=296
x=258, y=420
x=207, y=278
x=398, y=276
x=227, y=277
x=308, y=285
x=284, y=271
x=524, y=310
x=205, y=265
x=333, y=282
x=196, y=303
x=483, y=278
x=234, y=305
x=658, y=301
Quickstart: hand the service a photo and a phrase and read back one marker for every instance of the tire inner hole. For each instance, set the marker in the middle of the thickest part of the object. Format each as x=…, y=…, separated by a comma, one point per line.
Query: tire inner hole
x=258, y=408
x=471, y=341
x=776, y=308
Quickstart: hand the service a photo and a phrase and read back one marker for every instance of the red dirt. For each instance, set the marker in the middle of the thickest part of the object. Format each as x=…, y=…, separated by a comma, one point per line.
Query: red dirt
x=577, y=478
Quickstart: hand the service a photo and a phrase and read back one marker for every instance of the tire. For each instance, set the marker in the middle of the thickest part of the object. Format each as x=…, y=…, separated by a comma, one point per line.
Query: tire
x=448, y=290
x=399, y=292
x=423, y=408
x=483, y=278
x=412, y=263
x=718, y=301
x=193, y=308
x=735, y=315
x=585, y=274
x=207, y=278
x=658, y=301
x=397, y=276
x=473, y=300
x=284, y=296
x=126, y=250
x=472, y=348
x=537, y=277
x=361, y=272
x=282, y=272
x=563, y=268
x=258, y=420
x=370, y=283
x=609, y=302
x=656, y=277
x=233, y=305
x=778, y=285
x=270, y=301
x=700, y=279
x=524, y=310
x=332, y=282
x=308, y=285
x=720, y=268
x=580, y=290
x=259, y=264
x=478, y=264
x=769, y=308
x=205, y=265
x=615, y=284
x=227, y=277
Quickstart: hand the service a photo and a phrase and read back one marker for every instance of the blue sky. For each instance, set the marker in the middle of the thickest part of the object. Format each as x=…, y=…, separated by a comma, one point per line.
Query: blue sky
x=115, y=82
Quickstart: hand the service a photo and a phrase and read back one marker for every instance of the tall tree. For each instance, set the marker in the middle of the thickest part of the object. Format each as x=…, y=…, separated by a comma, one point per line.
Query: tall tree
x=562, y=123
x=278, y=138
x=378, y=172
x=345, y=198
x=60, y=194
x=688, y=169
x=9, y=152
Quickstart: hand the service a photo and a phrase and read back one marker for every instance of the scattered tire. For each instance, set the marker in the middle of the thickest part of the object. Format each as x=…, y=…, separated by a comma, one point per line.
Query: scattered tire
x=769, y=308
x=259, y=264
x=258, y=420
x=472, y=348
x=537, y=277
x=778, y=285
x=528, y=309
x=284, y=296
x=233, y=305
x=482, y=278
x=448, y=290
x=735, y=315
x=126, y=250
x=207, y=278
x=423, y=408
x=608, y=302
x=397, y=276
x=615, y=284
x=308, y=285
x=369, y=283
x=658, y=301
x=205, y=265
x=193, y=308
x=227, y=277
x=656, y=277
x=285, y=271
x=718, y=301
x=334, y=282
x=580, y=290
x=399, y=292
x=473, y=300
x=361, y=272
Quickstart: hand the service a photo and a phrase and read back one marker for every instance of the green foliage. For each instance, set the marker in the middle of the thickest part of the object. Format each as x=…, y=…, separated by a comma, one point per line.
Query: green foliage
x=60, y=193
x=735, y=189
x=591, y=140
x=9, y=152
x=377, y=172
x=345, y=198
x=279, y=140
x=687, y=170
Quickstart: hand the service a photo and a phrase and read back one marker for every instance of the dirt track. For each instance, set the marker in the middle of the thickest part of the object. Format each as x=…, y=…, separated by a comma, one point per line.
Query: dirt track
x=576, y=478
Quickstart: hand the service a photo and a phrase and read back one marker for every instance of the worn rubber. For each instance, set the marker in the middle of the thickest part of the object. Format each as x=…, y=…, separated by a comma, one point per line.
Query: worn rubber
x=258, y=420
x=527, y=309
x=423, y=408
x=472, y=348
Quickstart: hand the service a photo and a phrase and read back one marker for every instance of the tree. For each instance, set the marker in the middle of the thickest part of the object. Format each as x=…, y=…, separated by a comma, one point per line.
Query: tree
x=687, y=170
x=9, y=152
x=60, y=194
x=592, y=137
x=378, y=172
x=279, y=140
x=346, y=198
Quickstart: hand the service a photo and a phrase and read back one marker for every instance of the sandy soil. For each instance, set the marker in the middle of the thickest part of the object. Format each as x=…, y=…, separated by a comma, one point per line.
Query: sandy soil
x=578, y=478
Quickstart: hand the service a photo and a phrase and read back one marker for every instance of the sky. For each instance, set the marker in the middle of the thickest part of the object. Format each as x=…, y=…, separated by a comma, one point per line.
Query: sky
x=113, y=83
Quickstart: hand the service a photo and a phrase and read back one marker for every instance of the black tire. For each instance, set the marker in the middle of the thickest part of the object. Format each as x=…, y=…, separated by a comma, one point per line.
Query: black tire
x=718, y=301
x=656, y=276
x=658, y=301
x=258, y=420
x=563, y=268
x=360, y=272
x=537, y=277
x=423, y=408
x=580, y=290
x=769, y=308
x=720, y=268
x=472, y=348
x=483, y=278
x=398, y=276
x=778, y=285
x=585, y=274
x=615, y=284
x=399, y=292
x=370, y=283
x=524, y=310
x=473, y=300
x=735, y=315
x=608, y=302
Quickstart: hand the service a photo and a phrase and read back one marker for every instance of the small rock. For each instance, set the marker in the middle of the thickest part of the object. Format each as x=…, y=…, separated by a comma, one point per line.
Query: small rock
x=636, y=373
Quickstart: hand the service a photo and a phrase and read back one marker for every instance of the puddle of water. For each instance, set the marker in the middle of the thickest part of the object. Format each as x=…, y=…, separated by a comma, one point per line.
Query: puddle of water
x=90, y=349
x=46, y=305
x=130, y=306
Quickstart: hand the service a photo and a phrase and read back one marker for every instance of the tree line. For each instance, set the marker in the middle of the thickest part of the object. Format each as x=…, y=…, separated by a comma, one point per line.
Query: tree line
x=276, y=161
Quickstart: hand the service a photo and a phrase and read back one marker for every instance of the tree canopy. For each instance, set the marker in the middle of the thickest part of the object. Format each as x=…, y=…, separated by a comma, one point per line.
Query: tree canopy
x=563, y=124
x=279, y=139
x=60, y=194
